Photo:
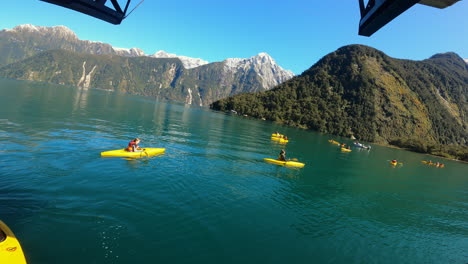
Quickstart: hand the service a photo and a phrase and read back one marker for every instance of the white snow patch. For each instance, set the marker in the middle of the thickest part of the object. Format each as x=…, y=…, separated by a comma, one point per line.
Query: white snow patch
x=133, y=52
x=264, y=65
x=188, y=62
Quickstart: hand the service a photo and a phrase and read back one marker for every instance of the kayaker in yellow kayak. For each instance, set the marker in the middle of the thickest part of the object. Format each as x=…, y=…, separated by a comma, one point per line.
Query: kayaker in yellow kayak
x=133, y=146
x=282, y=155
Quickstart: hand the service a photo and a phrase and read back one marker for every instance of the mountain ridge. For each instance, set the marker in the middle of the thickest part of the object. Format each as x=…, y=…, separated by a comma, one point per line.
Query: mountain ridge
x=64, y=33
x=203, y=82
x=163, y=78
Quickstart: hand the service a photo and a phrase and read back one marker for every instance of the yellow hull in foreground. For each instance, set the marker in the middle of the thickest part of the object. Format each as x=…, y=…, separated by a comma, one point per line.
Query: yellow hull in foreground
x=10, y=248
x=345, y=150
x=139, y=154
x=285, y=163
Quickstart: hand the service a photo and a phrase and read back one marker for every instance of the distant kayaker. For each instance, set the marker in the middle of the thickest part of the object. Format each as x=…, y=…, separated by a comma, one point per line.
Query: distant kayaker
x=282, y=155
x=133, y=145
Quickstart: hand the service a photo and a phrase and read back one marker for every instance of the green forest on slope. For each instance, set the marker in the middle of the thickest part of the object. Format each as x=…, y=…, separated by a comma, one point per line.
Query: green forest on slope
x=359, y=91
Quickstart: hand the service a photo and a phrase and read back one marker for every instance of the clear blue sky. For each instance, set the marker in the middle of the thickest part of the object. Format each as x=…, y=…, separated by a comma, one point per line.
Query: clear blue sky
x=296, y=33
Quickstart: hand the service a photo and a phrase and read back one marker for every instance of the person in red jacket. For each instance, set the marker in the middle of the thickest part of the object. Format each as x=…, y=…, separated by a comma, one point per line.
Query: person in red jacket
x=133, y=145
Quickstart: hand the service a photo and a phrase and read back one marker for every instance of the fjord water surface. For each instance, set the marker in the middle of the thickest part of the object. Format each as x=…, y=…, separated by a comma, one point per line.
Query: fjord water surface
x=210, y=198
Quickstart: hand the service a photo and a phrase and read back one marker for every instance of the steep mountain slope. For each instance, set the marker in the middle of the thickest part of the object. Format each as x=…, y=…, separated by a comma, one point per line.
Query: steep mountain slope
x=24, y=41
x=164, y=78
x=359, y=91
x=202, y=83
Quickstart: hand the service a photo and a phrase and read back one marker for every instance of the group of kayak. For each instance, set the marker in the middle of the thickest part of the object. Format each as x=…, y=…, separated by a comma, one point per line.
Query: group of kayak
x=134, y=151
x=392, y=162
x=343, y=146
x=281, y=160
x=10, y=248
x=279, y=138
x=437, y=164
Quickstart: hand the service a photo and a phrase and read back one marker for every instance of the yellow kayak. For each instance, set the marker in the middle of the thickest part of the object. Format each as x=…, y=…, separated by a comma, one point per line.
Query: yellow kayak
x=277, y=136
x=440, y=165
x=138, y=154
x=334, y=142
x=393, y=163
x=345, y=150
x=285, y=163
x=280, y=140
x=10, y=248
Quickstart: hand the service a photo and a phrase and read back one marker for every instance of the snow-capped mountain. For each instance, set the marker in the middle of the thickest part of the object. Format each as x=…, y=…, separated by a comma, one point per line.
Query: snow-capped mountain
x=133, y=52
x=188, y=62
x=33, y=39
x=466, y=60
x=180, y=78
x=264, y=65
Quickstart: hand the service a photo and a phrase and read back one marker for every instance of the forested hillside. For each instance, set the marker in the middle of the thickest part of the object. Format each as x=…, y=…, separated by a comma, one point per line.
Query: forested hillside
x=359, y=91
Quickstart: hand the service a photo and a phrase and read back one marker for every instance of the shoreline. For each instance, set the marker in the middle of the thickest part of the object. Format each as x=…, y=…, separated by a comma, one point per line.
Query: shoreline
x=375, y=143
x=432, y=155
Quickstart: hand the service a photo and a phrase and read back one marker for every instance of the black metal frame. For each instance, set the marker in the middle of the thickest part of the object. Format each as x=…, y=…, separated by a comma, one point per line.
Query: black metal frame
x=375, y=16
x=95, y=8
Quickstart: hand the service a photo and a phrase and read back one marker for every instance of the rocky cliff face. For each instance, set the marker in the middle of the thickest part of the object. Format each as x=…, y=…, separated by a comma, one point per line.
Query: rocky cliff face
x=265, y=67
x=239, y=75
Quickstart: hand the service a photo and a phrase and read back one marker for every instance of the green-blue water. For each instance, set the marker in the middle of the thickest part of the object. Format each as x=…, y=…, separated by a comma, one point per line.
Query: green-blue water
x=211, y=198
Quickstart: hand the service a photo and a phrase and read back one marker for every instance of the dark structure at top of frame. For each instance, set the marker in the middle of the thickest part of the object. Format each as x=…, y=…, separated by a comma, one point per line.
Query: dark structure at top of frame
x=377, y=13
x=95, y=8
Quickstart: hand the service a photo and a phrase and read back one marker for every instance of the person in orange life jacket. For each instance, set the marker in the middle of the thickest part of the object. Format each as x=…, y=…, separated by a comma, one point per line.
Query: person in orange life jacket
x=133, y=145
